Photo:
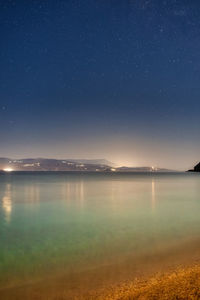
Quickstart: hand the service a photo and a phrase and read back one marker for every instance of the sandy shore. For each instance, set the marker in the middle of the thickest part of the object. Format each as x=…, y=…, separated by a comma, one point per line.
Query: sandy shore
x=180, y=284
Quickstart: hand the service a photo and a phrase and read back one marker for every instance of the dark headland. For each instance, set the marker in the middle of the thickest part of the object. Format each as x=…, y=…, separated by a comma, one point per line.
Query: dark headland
x=196, y=168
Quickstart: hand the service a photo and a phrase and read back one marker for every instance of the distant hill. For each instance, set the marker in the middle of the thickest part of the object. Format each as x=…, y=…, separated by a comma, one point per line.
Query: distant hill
x=93, y=161
x=45, y=164
x=84, y=165
x=143, y=169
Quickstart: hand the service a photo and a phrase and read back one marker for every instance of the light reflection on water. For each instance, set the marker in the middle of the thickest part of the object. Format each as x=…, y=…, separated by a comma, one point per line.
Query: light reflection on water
x=153, y=194
x=7, y=203
x=73, y=221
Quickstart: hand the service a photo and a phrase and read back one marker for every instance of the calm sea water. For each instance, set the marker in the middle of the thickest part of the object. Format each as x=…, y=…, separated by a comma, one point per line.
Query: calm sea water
x=53, y=223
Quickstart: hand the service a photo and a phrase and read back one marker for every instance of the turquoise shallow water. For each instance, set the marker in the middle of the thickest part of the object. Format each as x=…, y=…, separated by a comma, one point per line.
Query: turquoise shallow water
x=64, y=222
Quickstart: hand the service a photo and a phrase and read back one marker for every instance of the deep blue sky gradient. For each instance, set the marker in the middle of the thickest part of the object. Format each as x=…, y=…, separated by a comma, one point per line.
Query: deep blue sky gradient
x=114, y=79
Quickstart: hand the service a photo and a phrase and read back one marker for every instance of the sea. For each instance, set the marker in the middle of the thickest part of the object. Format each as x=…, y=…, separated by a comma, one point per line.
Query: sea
x=86, y=230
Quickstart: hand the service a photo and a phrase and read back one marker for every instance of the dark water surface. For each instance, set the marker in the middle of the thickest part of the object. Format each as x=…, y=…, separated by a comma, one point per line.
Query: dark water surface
x=56, y=224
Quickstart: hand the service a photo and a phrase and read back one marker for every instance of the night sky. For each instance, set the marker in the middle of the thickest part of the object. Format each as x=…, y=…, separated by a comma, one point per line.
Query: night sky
x=115, y=79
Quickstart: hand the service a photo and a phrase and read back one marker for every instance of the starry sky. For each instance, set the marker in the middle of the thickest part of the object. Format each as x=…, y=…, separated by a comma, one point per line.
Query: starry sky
x=115, y=79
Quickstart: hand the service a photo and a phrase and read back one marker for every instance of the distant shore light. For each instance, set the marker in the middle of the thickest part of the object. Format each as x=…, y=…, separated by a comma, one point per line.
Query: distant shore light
x=8, y=169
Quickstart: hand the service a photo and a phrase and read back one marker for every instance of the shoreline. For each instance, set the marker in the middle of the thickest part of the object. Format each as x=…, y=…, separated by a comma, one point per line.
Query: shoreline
x=182, y=283
x=154, y=280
